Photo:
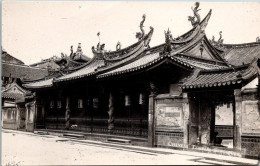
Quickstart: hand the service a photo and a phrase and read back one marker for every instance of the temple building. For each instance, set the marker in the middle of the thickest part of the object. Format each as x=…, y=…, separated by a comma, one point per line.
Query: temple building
x=15, y=73
x=190, y=93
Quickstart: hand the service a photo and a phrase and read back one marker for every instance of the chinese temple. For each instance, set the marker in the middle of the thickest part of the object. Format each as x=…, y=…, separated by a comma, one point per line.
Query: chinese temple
x=190, y=92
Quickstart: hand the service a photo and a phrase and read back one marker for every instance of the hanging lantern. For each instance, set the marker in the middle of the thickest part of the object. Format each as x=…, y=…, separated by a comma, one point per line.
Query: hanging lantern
x=52, y=104
x=141, y=98
x=95, y=102
x=58, y=104
x=127, y=100
x=80, y=103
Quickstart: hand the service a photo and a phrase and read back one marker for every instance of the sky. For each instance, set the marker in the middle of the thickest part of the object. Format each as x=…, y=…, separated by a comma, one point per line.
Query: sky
x=36, y=30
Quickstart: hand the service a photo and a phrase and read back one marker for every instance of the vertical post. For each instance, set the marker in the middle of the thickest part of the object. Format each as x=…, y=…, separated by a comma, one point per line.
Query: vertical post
x=237, y=110
x=91, y=114
x=43, y=112
x=111, y=112
x=18, y=117
x=212, y=123
x=186, y=119
x=35, y=105
x=151, y=112
x=67, y=114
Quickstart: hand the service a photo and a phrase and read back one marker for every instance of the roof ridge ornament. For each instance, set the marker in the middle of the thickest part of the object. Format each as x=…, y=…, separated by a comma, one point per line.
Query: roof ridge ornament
x=257, y=39
x=196, y=9
x=100, y=47
x=219, y=43
x=168, y=38
x=140, y=35
x=118, y=46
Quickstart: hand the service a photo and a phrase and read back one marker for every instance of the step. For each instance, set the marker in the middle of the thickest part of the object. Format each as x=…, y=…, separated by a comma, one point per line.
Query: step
x=125, y=141
x=69, y=135
x=207, y=161
x=41, y=132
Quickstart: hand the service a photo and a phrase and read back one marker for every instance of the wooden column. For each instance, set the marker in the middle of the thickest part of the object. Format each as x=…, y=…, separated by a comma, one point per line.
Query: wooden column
x=237, y=113
x=151, y=112
x=186, y=120
x=36, y=109
x=111, y=112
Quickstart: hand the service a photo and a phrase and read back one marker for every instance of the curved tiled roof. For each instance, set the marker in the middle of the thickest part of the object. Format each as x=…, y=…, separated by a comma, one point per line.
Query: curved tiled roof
x=7, y=95
x=200, y=64
x=10, y=59
x=142, y=62
x=85, y=71
x=150, y=59
x=138, y=56
x=40, y=84
x=23, y=71
x=239, y=54
x=221, y=77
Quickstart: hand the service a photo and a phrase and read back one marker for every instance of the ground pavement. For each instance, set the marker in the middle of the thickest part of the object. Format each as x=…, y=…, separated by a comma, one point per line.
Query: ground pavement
x=23, y=148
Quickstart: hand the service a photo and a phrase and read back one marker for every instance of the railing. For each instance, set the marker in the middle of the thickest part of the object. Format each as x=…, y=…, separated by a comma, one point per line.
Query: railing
x=224, y=131
x=123, y=126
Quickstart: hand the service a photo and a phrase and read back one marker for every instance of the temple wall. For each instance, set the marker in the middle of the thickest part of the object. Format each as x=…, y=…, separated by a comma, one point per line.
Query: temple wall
x=250, y=138
x=30, y=116
x=9, y=118
x=170, y=122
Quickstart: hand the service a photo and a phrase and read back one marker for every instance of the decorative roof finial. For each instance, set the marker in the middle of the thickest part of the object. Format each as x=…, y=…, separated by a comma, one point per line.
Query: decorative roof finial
x=218, y=43
x=140, y=35
x=118, y=46
x=196, y=14
x=98, y=34
x=168, y=38
x=71, y=49
x=258, y=39
x=79, y=48
x=100, y=47
x=220, y=40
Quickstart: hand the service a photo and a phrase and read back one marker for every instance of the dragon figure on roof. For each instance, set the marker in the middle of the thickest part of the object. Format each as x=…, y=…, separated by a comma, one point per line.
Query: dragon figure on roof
x=140, y=35
x=196, y=14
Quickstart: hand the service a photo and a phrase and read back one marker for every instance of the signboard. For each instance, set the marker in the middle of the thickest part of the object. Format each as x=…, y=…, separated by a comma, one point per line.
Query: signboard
x=169, y=116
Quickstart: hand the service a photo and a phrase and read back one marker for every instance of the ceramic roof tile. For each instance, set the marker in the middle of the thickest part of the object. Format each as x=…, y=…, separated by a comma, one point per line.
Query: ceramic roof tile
x=22, y=71
x=242, y=54
x=38, y=84
x=140, y=63
x=214, y=78
x=85, y=71
x=202, y=65
x=11, y=95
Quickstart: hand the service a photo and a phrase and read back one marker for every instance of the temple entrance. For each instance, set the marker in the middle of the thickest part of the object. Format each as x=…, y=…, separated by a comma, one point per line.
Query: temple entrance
x=212, y=120
x=224, y=124
x=40, y=117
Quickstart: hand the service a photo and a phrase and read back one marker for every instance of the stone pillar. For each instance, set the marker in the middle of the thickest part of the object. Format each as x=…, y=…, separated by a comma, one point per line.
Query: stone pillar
x=67, y=114
x=18, y=118
x=186, y=120
x=237, y=113
x=27, y=107
x=111, y=112
x=151, y=112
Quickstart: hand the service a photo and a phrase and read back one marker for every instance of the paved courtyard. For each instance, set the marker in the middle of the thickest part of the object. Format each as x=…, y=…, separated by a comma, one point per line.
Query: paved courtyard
x=22, y=148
